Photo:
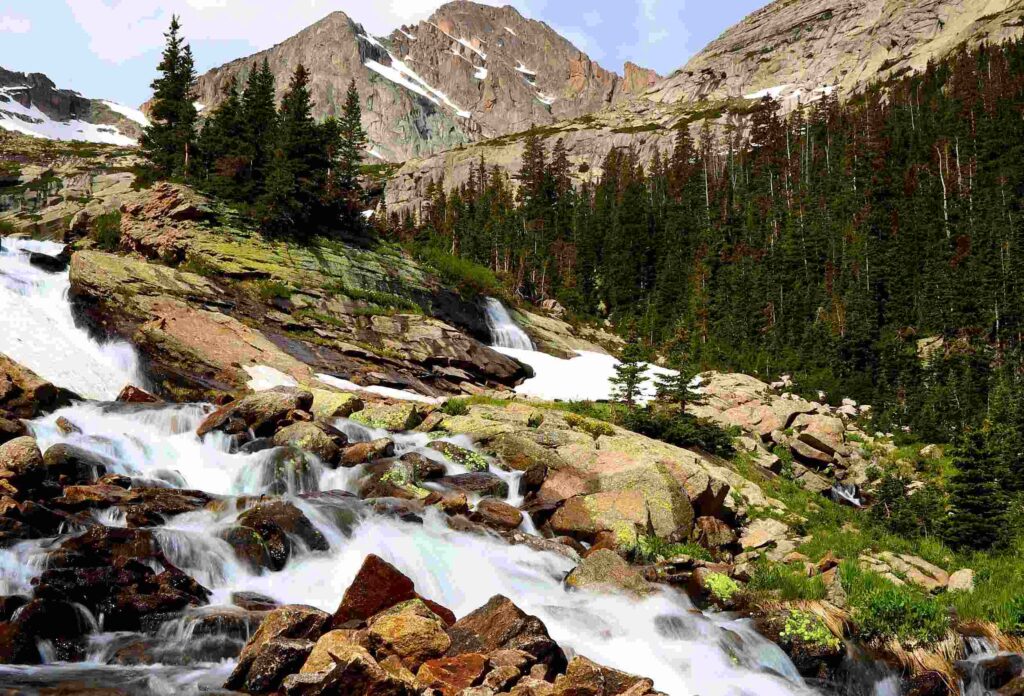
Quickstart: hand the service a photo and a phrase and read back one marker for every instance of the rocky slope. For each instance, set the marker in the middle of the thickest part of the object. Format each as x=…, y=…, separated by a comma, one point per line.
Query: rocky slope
x=469, y=72
x=31, y=103
x=795, y=50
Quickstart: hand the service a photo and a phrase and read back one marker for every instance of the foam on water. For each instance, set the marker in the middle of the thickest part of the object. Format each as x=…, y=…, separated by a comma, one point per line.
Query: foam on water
x=39, y=330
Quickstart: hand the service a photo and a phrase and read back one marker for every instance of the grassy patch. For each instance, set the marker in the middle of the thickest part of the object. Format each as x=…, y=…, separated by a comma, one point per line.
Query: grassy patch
x=468, y=277
x=650, y=549
x=455, y=407
x=106, y=231
x=785, y=582
x=808, y=628
x=273, y=290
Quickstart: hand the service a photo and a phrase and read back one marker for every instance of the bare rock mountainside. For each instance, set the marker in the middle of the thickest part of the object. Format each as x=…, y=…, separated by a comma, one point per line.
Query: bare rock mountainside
x=468, y=73
x=794, y=50
x=31, y=103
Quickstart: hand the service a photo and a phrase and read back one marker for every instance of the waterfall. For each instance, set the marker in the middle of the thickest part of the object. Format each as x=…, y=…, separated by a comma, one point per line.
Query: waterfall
x=505, y=333
x=846, y=493
x=661, y=636
x=39, y=329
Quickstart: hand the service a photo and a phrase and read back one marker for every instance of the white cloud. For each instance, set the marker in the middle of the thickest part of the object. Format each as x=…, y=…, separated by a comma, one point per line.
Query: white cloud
x=123, y=29
x=14, y=25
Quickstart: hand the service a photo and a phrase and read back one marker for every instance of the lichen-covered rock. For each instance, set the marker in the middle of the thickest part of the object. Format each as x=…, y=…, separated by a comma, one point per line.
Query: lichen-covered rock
x=606, y=571
x=311, y=438
x=409, y=631
x=294, y=621
x=624, y=513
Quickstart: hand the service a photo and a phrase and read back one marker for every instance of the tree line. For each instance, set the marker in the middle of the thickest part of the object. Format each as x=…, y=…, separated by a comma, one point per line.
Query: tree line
x=292, y=174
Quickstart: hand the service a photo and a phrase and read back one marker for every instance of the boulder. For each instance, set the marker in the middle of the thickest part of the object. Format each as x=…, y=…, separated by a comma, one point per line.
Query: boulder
x=10, y=429
x=354, y=672
x=365, y=452
x=991, y=673
x=24, y=394
x=501, y=625
x=258, y=412
x=410, y=631
x=70, y=465
x=377, y=586
x=328, y=405
x=331, y=646
x=961, y=581
x=808, y=454
x=460, y=455
x=450, y=675
x=294, y=621
x=480, y=483
x=311, y=438
x=763, y=532
x=606, y=571
x=392, y=417
x=422, y=468
x=276, y=659
x=713, y=533
x=278, y=523
x=624, y=513
x=586, y=678
x=497, y=515
x=135, y=395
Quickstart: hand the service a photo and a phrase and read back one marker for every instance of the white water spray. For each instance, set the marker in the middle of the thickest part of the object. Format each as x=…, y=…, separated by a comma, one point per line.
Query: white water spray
x=505, y=333
x=39, y=330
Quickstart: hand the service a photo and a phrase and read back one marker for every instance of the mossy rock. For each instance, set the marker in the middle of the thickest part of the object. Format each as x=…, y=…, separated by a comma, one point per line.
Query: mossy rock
x=461, y=456
x=393, y=418
x=328, y=405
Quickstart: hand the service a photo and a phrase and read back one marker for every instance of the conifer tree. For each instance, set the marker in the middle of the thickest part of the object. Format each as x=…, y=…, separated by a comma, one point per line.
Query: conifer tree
x=259, y=116
x=224, y=148
x=169, y=141
x=347, y=165
x=629, y=375
x=977, y=500
x=674, y=388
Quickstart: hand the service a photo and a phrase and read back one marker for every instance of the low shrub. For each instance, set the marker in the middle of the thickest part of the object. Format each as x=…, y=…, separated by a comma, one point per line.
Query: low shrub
x=806, y=627
x=455, y=407
x=680, y=429
x=788, y=583
x=651, y=549
x=721, y=587
x=903, y=614
x=106, y=231
x=469, y=277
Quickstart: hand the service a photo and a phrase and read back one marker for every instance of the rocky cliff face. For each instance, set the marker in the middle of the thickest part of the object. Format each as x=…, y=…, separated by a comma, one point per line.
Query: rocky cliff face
x=31, y=103
x=797, y=50
x=468, y=73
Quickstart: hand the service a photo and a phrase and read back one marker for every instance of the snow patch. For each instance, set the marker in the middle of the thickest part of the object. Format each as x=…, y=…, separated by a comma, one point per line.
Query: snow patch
x=372, y=41
x=400, y=73
x=406, y=34
x=464, y=42
x=374, y=152
x=511, y=32
x=545, y=99
x=33, y=122
x=525, y=70
x=480, y=74
x=773, y=92
x=399, y=394
x=265, y=378
x=199, y=106
x=583, y=378
x=129, y=113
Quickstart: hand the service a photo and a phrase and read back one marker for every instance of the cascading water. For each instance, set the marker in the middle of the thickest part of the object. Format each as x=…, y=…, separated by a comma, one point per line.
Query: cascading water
x=505, y=333
x=39, y=330
x=661, y=636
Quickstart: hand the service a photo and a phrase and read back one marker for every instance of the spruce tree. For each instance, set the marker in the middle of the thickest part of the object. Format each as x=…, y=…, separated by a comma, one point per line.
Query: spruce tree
x=674, y=388
x=629, y=375
x=224, y=148
x=259, y=116
x=169, y=141
x=348, y=162
x=977, y=516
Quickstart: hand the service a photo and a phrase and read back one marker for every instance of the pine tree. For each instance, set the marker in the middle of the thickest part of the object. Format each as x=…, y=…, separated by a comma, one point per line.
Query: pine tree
x=351, y=146
x=977, y=500
x=169, y=141
x=629, y=375
x=674, y=388
x=259, y=116
x=224, y=148
x=296, y=179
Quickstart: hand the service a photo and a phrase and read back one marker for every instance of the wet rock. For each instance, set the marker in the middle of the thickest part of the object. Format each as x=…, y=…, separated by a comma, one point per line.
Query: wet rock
x=454, y=503
x=94, y=496
x=460, y=455
x=260, y=444
x=253, y=601
x=295, y=621
x=365, y=452
x=423, y=468
x=73, y=465
x=249, y=547
x=450, y=675
x=259, y=412
x=328, y=405
x=279, y=523
x=354, y=673
x=992, y=672
x=276, y=659
x=606, y=571
x=135, y=395
x=409, y=631
x=332, y=646
x=17, y=646
x=11, y=429
x=929, y=683
x=10, y=604
x=377, y=586
x=501, y=625
x=497, y=514
x=480, y=483
x=21, y=463
x=311, y=438
x=24, y=394
x=392, y=417
x=584, y=677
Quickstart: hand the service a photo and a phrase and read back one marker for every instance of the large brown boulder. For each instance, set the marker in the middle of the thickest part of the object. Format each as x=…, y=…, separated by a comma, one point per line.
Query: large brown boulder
x=21, y=464
x=606, y=571
x=411, y=632
x=377, y=586
x=500, y=625
x=450, y=675
x=623, y=513
x=24, y=394
x=259, y=412
x=295, y=622
x=497, y=515
x=311, y=438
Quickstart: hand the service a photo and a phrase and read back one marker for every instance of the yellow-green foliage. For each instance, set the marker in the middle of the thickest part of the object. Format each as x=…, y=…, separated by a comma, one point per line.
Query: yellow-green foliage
x=721, y=587
x=587, y=425
x=806, y=627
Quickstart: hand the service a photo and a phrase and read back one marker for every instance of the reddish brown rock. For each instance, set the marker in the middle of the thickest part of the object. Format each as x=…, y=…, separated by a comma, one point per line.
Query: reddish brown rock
x=135, y=395
x=499, y=625
x=451, y=675
x=497, y=514
x=377, y=586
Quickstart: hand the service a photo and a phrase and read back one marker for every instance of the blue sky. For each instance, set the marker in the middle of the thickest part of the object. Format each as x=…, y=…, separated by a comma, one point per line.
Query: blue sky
x=109, y=48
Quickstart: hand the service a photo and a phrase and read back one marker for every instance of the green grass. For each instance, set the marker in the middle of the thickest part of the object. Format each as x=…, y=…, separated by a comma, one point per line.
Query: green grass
x=786, y=582
x=383, y=300
x=468, y=277
x=651, y=548
x=455, y=407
